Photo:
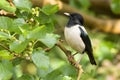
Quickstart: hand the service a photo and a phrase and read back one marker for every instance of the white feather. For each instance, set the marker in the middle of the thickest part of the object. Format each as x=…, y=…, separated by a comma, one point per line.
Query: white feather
x=72, y=37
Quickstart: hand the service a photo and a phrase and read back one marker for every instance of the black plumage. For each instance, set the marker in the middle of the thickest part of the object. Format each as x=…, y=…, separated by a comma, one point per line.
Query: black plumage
x=78, y=39
x=88, y=46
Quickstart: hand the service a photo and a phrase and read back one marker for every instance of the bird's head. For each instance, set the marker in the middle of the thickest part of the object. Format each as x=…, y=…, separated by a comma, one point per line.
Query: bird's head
x=75, y=18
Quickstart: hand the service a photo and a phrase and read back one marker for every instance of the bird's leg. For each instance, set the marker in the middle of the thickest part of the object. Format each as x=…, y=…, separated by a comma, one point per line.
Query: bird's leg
x=75, y=54
x=80, y=59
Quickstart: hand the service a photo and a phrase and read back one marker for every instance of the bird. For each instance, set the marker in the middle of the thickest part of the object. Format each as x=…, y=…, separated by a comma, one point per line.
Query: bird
x=77, y=37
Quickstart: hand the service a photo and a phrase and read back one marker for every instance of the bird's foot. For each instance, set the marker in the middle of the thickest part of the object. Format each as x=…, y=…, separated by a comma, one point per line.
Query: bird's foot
x=61, y=40
x=75, y=54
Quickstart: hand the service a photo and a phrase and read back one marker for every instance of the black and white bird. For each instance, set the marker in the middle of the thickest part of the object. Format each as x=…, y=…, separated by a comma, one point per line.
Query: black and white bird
x=77, y=37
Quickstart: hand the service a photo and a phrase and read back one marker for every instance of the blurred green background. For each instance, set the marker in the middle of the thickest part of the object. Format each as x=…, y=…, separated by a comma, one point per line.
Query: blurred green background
x=25, y=36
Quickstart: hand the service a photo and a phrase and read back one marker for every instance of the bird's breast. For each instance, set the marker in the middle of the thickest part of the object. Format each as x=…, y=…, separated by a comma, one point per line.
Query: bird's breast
x=72, y=37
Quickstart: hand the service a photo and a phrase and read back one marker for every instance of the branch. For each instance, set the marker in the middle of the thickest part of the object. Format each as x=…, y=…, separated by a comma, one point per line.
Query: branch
x=15, y=55
x=5, y=48
x=11, y=52
x=108, y=25
x=71, y=59
x=105, y=25
x=5, y=13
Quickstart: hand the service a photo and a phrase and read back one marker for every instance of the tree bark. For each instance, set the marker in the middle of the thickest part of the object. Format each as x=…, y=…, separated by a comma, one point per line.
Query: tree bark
x=99, y=7
x=106, y=25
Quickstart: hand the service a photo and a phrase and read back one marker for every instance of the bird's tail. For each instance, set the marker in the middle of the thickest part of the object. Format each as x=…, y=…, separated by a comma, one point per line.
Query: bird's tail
x=91, y=58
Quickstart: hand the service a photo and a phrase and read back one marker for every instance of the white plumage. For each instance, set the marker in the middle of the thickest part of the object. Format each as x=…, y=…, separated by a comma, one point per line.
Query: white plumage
x=76, y=36
x=72, y=37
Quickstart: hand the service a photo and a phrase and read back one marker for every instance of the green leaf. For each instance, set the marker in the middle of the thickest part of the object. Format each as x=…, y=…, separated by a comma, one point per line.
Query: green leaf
x=115, y=6
x=49, y=40
x=5, y=22
x=68, y=70
x=18, y=46
x=62, y=73
x=23, y=14
x=4, y=35
x=25, y=30
x=40, y=32
x=43, y=72
x=5, y=70
x=4, y=54
x=53, y=75
x=17, y=61
x=19, y=22
x=42, y=63
x=41, y=60
x=60, y=77
x=50, y=9
x=5, y=5
x=10, y=24
x=37, y=33
x=50, y=27
x=23, y=4
x=67, y=78
x=26, y=77
x=43, y=18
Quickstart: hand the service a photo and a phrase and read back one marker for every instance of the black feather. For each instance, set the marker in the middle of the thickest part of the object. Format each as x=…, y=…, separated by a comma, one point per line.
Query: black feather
x=88, y=46
x=77, y=19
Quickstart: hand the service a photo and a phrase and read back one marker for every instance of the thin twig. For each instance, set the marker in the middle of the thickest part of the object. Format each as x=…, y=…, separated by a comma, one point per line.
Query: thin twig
x=5, y=48
x=71, y=59
x=80, y=71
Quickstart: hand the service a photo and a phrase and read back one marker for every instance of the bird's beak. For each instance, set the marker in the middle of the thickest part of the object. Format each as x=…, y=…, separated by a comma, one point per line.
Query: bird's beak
x=67, y=14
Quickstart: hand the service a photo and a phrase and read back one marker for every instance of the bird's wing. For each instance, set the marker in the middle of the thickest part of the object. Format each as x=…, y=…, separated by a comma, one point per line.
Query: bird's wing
x=86, y=39
x=88, y=46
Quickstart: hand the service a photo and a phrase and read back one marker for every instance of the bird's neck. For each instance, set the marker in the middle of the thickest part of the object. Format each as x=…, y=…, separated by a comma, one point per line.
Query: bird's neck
x=72, y=22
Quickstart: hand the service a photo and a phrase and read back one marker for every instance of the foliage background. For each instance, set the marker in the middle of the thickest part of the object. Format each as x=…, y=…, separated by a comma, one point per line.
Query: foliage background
x=25, y=37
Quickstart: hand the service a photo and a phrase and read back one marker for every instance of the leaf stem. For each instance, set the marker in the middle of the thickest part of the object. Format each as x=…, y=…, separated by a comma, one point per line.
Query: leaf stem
x=5, y=48
x=9, y=50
